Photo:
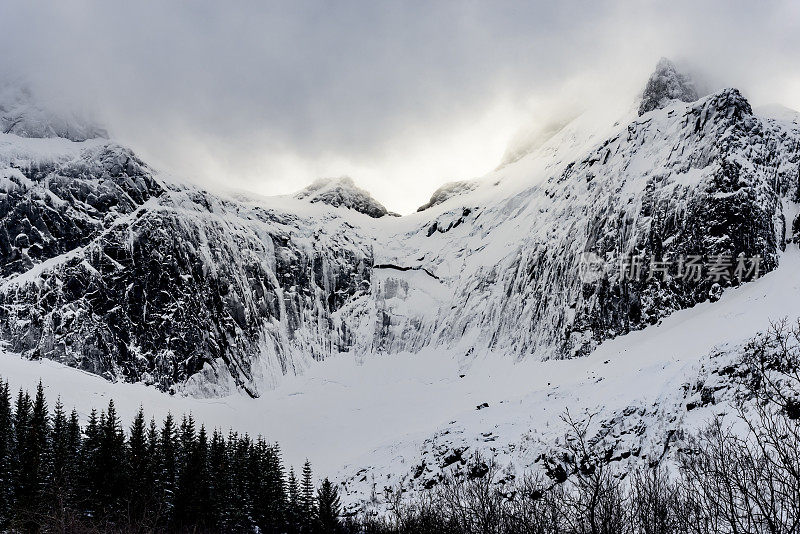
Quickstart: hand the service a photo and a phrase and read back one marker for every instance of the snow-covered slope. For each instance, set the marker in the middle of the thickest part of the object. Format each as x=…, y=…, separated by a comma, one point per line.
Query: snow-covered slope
x=112, y=268
x=642, y=392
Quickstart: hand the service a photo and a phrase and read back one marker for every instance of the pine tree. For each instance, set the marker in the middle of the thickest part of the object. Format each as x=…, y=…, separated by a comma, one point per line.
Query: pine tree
x=74, y=437
x=190, y=469
x=307, y=508
x=276, y=484
x=40, y=432
x=293, y=509
x=75, y=445
x=255, y=483
x=239, y=498
x=32, y=443
x=22, y=423
x=138, y=464
x=89, y=478
x=328, y=508
x=154, y=491
x=186, y=437
x=111, y=487
x=6, y=456
x=167, y=471
x=30, y=471
x=218, y=481
x=201, y=507
x=62, y=458
x=267, y=487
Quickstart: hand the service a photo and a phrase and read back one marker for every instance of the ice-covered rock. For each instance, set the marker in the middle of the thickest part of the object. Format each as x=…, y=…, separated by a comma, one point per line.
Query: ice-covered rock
x=110, y=270
x=447, y=191
x=665, y=85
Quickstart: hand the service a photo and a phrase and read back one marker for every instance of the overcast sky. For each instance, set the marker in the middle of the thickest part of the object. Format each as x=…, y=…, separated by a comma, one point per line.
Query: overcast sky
x=402, y=96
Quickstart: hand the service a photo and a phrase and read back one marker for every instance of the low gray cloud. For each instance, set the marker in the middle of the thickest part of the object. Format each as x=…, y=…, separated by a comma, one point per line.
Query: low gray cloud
x=403, y=96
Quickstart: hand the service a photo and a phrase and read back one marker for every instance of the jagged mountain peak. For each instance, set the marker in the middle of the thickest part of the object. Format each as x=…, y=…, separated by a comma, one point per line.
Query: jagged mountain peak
x=665, y=85
x=23, y=113
x=342, y=191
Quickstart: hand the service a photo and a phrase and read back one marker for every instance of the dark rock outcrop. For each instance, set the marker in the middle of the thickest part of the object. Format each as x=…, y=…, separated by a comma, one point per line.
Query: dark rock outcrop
x=665, y=85
x=156, y=283
x=447, y=191
x=342, y=192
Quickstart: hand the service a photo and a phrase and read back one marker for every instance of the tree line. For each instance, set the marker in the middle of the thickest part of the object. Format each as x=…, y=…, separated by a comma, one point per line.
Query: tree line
x=57, y=475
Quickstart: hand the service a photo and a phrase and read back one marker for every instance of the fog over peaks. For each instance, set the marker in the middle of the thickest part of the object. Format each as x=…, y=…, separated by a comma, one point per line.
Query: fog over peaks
x=403, y=97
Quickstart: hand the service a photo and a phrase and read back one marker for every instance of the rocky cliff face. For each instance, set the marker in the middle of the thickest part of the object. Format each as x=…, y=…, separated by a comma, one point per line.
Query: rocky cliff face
x=706, y=179
x=52, y=206
x=716, y=195
x=108, y=268
x=447, y=191
x=665, y=85
x=167, y=283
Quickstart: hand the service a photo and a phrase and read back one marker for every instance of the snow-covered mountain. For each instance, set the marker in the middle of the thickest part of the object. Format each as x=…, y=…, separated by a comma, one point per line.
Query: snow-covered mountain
x=389, y=349
x=23, y=115
x=112, y=268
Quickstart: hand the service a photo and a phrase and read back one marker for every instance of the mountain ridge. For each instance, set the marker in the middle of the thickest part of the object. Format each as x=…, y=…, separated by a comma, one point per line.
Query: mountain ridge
x=111, y=269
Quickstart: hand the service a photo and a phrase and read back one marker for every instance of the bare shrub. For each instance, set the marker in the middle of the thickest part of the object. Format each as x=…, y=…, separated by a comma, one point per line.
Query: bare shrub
x=737, y=477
